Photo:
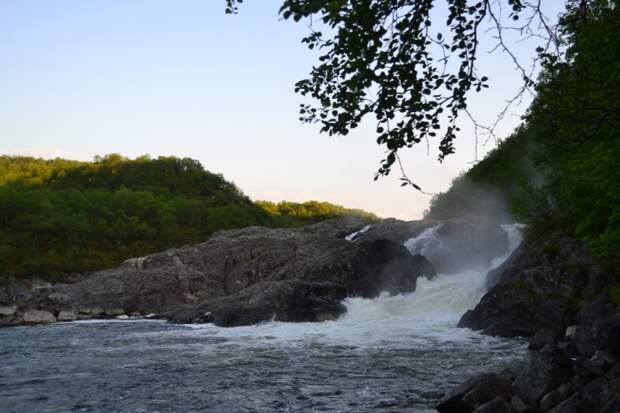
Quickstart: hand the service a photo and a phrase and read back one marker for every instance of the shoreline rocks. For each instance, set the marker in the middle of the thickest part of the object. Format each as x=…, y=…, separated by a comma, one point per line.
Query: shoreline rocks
x=38, y=317
x=552, y=290
x=540, y=286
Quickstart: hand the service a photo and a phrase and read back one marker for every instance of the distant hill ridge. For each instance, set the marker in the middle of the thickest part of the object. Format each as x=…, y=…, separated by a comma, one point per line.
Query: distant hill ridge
x=63, y=216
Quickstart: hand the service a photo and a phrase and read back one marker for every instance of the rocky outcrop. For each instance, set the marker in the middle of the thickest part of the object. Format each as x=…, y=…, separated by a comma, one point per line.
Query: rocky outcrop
x=598, y=327
x=395, y=230
x=376, y=266
x=546, y=370
x=552, y=290
x=244, y=276
x=475, y=392
x=601, y=395
x=538, y=287
x=453, y=245
x=288, y=300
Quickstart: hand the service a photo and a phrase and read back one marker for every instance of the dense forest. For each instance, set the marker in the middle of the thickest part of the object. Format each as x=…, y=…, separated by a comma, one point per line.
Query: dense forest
x=61, y=216
x=560, y=170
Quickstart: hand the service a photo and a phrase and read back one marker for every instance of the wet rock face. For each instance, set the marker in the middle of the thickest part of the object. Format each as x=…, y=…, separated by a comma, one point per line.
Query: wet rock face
x=598, y=327
x=598, y=396
x=289, y=274
x=537, y=288
x=546, y=370
x=289, y=300
x=375, y=267
x=383, y=265
x=476, y=392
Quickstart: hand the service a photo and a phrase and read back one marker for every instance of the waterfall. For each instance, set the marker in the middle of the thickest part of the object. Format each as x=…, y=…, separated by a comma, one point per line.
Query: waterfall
x=425, y=317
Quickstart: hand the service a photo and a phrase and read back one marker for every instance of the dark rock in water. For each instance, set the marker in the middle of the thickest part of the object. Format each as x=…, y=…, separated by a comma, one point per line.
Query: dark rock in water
x=233, y=267
x=538, y=287
x=288, y=300
x=598, y=327
x=497, y=405
x=599, y=396
x=546, y=370
x=383, y=265
x=475, y=392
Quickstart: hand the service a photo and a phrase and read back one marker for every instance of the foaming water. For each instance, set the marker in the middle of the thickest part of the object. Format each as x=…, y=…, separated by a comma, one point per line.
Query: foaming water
x=388, y=354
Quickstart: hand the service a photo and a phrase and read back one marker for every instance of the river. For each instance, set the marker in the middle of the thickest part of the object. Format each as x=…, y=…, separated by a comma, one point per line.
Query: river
x=389, y=354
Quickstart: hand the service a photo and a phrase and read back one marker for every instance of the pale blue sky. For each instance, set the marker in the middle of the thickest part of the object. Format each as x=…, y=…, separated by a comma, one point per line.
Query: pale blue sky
x=81, y=78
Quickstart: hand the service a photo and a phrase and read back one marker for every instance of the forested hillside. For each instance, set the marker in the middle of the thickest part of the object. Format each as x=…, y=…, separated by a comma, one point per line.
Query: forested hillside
x=560, y=171
x=61, y=216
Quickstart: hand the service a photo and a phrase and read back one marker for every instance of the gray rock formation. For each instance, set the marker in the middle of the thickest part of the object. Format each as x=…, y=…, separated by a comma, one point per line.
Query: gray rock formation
x=537, y=287
x=457, y=244
x=8, y=310
x=260, y=272
x=475, y=392
x=38, y=317
x=546, y=370
x=599, y=396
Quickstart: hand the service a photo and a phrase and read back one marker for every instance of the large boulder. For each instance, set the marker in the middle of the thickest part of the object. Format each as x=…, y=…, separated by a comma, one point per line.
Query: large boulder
x=538, y=287
x=288, y=300
x=598, y=327
x=230, y=262
x=546, y=370
x=475, y=392
x=497, y=405
x=38, y=317
x=599, y=396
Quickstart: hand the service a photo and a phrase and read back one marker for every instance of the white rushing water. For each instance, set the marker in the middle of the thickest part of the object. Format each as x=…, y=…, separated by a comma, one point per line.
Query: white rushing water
x=426, y=317
x=356, y=234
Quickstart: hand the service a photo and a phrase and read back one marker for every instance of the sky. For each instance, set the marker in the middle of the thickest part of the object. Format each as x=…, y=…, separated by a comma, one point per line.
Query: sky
x=84, y=78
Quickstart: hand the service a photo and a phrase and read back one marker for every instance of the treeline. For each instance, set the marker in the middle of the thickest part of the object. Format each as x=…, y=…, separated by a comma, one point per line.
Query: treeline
x=560, y=171
x=294, y=213
x=60, y=216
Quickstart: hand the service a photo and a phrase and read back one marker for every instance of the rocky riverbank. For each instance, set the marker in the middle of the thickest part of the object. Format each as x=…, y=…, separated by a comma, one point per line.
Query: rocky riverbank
x=246, y=276
x=550, y=290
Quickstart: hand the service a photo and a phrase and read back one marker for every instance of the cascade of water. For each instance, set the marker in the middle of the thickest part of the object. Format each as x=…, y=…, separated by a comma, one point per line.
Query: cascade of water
x=428, y=315
x=356, y=234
